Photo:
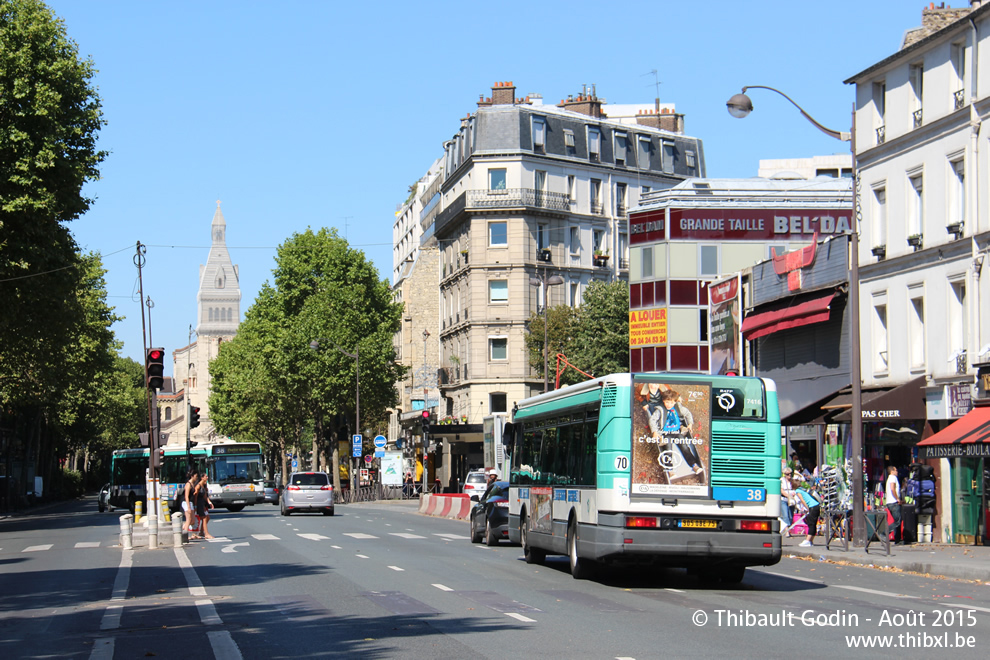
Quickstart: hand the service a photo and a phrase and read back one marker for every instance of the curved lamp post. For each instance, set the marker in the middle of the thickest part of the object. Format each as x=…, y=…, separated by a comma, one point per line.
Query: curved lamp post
x=740, y=106
x=315, y=345
x=547, y=282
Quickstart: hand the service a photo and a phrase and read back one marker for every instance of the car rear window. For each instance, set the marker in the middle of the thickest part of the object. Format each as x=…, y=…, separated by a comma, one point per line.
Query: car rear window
x=475, y=479
x=311, y=479
x=269, y=484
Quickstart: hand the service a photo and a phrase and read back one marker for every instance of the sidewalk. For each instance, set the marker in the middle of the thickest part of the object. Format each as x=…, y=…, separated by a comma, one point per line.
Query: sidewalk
x=965, y=562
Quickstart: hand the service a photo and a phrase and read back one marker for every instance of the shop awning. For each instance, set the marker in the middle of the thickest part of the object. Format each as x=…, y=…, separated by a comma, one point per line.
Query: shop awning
x=969, y=436
x=905, y=401
x=805, y=313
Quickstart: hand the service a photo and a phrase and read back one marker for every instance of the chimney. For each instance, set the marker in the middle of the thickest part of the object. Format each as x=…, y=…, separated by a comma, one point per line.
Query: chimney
x=586, y=103
x=665, y=120
x=503, y=93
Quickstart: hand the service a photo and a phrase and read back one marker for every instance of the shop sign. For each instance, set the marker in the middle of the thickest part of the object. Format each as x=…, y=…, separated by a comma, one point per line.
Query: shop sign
x=960, y=401
x=648, y=327
x=970, y=450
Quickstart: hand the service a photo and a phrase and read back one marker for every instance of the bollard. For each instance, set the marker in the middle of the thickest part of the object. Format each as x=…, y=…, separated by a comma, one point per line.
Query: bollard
x=138, y=510
x=125, y=531
x=165, y=514
x=176, y=532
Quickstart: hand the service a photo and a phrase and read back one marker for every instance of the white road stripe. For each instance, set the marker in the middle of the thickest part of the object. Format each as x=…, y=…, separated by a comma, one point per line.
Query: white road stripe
x=520, y=617
x=195, y=586
x=208, y=613
x=676, y=591
x=337, y=547
x=442, y=587
x=396, y=568
x=88, y=544
x=871, y=591
x=359, y=535
x=265, y=537
x=223, y=645
x=966, y=607
x=405, y=535
x=102, y=649
x=219, y=539
x=363, y=556
x=111, y=617
x=453, y=537
x=314, y=537
x=37, y=548
x=794, y=577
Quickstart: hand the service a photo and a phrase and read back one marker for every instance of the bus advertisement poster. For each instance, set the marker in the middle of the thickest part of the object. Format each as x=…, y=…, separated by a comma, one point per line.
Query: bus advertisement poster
x=671, y=428
x=541, y=502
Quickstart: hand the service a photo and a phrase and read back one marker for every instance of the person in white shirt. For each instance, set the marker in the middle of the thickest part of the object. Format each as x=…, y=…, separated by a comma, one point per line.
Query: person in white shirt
x=892, y=499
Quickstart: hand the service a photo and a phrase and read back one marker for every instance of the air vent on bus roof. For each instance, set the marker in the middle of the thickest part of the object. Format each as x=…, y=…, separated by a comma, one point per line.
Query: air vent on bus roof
x=608, y=395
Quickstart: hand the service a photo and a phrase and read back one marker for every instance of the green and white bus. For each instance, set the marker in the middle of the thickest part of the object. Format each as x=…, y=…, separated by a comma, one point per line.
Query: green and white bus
x=675, y=469
x=235, y=474
x=129, y=474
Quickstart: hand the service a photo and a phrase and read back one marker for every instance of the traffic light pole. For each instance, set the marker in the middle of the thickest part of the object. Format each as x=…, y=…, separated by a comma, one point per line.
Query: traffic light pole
x=153, y=446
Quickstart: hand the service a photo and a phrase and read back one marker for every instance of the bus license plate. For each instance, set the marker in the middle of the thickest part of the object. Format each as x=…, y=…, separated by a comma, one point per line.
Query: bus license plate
x=239, y=502
x=699, y=524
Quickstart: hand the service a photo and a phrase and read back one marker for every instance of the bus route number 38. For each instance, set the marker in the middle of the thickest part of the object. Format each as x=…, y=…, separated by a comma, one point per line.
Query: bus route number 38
x=622, y=463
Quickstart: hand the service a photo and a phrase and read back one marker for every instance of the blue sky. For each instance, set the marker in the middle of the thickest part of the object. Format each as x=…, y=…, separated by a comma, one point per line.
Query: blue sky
x=309, y=114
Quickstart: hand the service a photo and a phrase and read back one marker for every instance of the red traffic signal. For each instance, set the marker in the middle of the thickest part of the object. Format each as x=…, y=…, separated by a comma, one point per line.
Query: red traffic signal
x=426, y=422
x=155, y=368
x=193, y=417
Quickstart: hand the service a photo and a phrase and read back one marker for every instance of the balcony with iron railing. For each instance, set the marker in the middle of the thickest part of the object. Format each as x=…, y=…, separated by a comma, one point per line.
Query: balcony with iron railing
x=504, y=198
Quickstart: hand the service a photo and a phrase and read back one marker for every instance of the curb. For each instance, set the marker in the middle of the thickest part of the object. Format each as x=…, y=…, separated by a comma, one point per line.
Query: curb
x=963, y=572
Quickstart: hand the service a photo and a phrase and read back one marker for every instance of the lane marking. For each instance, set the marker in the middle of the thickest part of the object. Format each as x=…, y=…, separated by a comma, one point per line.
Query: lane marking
x=37, y=548
x=314, y=537
x=219, y=539
x=111, y=617
x=396, y=568
x=233, y=546
x=872, y=591
x=406, y=535
x=208, y=613
x=102, y=649
x=442, y=587
x=88, y=544
x=363, y=556
x=336, y=547
x=359, y=535
x=266, y=537
x=676, y=591
x=223, y=645
x=793, y=577
x=966, y=607
x=520, y=617
x=453, y=537
x=195, y=586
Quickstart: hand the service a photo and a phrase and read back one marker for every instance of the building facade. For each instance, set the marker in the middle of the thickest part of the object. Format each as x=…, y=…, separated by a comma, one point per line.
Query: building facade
x=218, y=302
x=922, y=161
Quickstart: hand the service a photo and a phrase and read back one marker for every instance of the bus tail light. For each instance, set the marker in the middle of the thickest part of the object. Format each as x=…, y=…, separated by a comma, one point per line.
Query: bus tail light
x=754, y=525
x=641, y=521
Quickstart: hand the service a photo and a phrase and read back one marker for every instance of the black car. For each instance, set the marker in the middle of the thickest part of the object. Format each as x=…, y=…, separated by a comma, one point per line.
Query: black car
x=490, y=514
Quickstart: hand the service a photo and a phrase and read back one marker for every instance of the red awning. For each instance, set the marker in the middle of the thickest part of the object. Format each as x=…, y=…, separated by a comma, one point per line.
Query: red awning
x=970, y=429
x=806, y=313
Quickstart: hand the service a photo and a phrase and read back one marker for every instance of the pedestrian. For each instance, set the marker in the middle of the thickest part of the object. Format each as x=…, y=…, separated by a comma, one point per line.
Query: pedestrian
x=189, y=499
x=787, y=502
x=892, y=498
x=203, y=506
x=810, y=500
x=407, y=486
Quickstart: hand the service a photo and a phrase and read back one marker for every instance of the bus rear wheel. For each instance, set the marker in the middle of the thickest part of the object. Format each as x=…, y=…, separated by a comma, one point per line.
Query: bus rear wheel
x=581, y=569
x=732, y=574
x=530, y=554
x=234, y=508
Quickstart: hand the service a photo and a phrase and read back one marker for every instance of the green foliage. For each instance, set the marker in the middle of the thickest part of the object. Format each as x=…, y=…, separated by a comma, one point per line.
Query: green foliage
x=71, y=484
x=594, y=337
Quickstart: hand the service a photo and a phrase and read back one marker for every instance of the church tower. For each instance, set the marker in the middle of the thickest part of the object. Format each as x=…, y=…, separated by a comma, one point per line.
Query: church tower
x=219, y=296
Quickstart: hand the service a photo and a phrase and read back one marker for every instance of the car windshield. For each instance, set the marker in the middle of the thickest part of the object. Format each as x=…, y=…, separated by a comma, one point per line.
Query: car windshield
x=312, y=479
x=475, y=479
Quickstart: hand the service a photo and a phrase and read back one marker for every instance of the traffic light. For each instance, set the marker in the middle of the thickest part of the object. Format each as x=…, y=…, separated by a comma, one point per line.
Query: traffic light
x=193, y=416
x=155, y=365
x=426, y=423
x=158, y=458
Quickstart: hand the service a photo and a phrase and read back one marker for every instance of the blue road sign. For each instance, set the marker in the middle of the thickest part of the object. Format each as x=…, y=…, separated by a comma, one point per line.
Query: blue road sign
x=356, y=447
x=380, y=441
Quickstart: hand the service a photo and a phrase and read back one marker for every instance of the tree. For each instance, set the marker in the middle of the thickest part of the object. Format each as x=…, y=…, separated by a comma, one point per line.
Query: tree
x=600, y=344
x=561, y=324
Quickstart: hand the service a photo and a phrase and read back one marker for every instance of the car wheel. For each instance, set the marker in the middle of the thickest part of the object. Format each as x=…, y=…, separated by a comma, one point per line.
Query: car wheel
x=328, y=512
x=490, y=538
x=100, y=506
x=475, y=532
x=580, y=568
x=530, y=554
x=285, y=512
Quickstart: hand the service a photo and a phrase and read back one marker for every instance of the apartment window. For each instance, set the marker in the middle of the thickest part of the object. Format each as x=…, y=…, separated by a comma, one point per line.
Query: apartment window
x=569, y=147
x=498, y=348
x=574, y=301
x=775, y=250
x=689, y=158
x=881, y=358
x=541, y=237
x=498, y=291
x=917, y=77
x=709, y=260
x=539, y=134
x=497, y=402
x=168, y=413
x=575, y=244
x=957, y=192
x=957, y=319
x=598, y=241
x=496, y=179
x=916, y=205
x=880, y=110
x=647, y=264
x=668, y=157
x=959, y=68
x=594, y=144
x=620, y=199
x=702, y=324
x=571, y=187
x=880, y=217
x=540, y=184
x=596, y=196
x=645, y=150
x=621, y=147
x=498, y=233
x=916, y=331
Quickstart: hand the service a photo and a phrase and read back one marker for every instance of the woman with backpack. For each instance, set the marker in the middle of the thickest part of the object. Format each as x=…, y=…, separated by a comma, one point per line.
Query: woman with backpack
x=811, y=500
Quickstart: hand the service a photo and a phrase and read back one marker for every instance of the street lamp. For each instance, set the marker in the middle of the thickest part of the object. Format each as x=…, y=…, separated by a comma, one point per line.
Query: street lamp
x=315, y=345
x=546, y=282
x=740, y=106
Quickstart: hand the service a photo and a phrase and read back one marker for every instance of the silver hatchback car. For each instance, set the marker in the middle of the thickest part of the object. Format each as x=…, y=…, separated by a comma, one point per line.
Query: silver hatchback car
x=307, y=491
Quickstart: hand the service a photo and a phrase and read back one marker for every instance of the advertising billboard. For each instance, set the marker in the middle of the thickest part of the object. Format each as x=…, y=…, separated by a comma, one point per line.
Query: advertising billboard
x=648, y=327
x=725, y=318
x=672, y=423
